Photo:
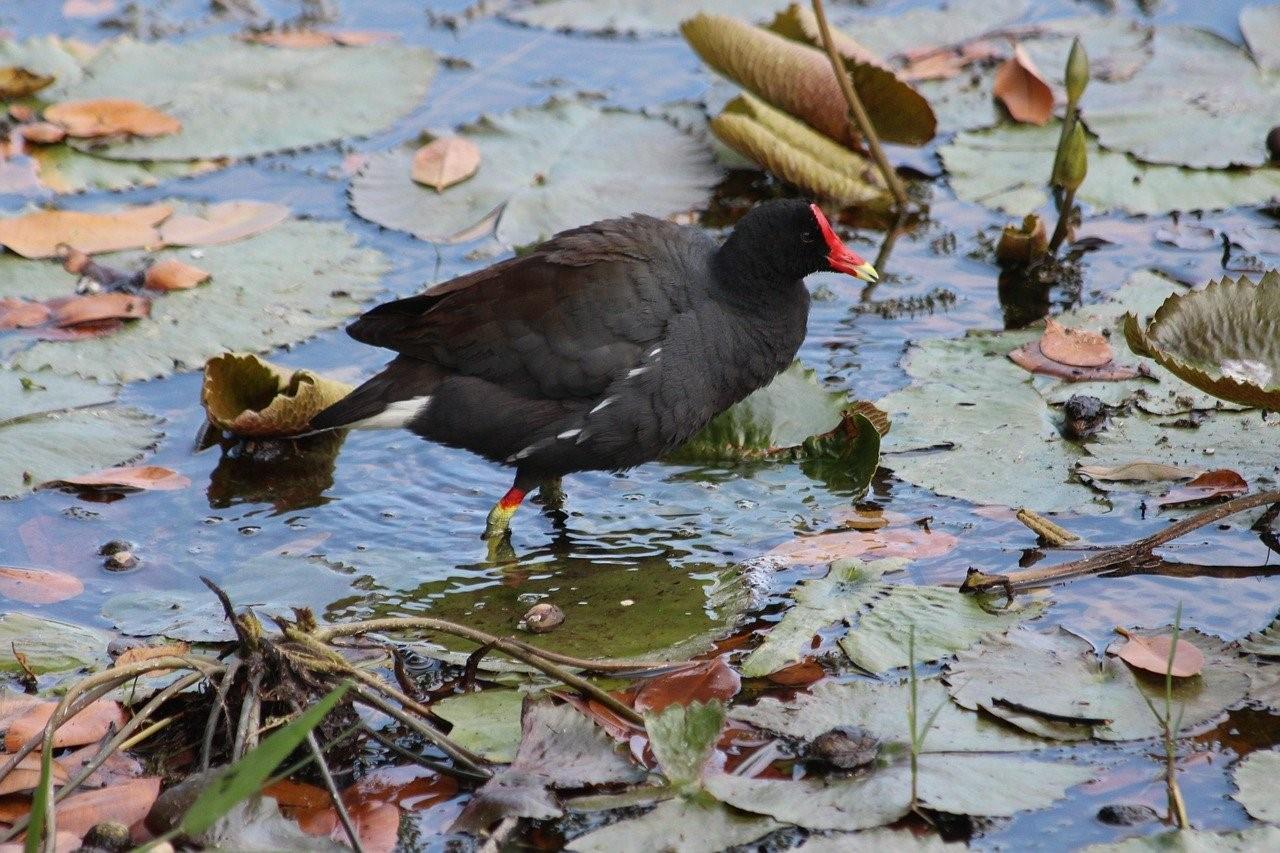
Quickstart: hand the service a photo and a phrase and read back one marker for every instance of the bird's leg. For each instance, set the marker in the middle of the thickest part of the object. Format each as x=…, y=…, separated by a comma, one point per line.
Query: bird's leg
x=551, y=492
x=499, y=522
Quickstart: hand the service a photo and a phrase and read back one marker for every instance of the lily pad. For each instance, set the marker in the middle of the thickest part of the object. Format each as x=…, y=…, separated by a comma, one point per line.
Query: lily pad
x=1221, y=339
x=543, y=170
x=1054, y=685
x=1195, y=841
x=1261, y=28
x=683, y=738
x=1255, y=777
x=49, y=645
x=684, y=824
x=1265, y=643
x=280, y=99
x=276, y=288
x=48, y=56
x=793, y=151
x=958, y=21
x=651, y=18
x=247, y=396
x=1006, y=168
x=53, y=427
x=486, y=722
x=63, y=169
x=879, y=709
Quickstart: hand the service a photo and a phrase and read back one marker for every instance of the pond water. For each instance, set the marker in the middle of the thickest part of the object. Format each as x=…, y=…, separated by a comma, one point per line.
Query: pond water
x=660, y=536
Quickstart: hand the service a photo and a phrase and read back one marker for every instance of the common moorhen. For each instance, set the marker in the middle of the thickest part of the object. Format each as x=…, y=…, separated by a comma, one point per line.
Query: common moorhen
x=602, y=348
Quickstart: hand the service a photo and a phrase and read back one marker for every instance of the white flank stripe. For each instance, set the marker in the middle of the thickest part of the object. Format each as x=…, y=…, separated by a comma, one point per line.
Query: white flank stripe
x=605, y=402
x=569, y=433
x=394, y=416
x=636, y=371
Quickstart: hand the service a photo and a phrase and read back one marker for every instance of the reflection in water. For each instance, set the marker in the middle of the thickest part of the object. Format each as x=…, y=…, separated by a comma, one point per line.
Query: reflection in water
x=289, y=474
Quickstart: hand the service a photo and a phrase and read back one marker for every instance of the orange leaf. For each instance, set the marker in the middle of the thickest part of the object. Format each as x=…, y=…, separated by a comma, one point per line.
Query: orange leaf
x=799, y=674
x=1209, y=486
x=35, y=586
x=173, y=274
x=1152, y=654
x=895, y=542
x=127, y=802
x=26, y=775
x=141, y=653
x=305, y=39
x=89, y=726
x=14, y=705
x=1076, y=347
x=224, y=222
x=1030, y=358
x=700, y=681
x=445, y=161
x=20, y=314
x=42, y=132
x=140, y=477
x=63, y=842
x=118, y=767
x=408, y=786
x=1022, y=90
x=75, y=310
x=39, y=233
x=110, y=117
x=299, y=795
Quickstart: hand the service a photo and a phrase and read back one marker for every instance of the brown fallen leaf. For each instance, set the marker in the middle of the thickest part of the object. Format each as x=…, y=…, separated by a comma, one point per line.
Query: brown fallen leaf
x=141, y=653
x=21, y=314
x=799, y=674
x=700, y=681
x=151, y=478
x=63, y=842
x=946, y=62
x=445, y=161
x=894, y=542
x=38, y=234
x=38, y=586
x=173, y=274
x=408, y=786
x=1216, y=485
x=83, y=331
x=249, y=397
x=111, y=117
x=1151, y=654
x=87, y=8
x=305, y=39
x=42, y=132
x=1023, y=91
x=26, y=775
x=1030, y=358
x=88, y=726
x=118, y=766
x=224, y=222
x=126, y=802
x=18, y=82
x=74, y=310
x=1075, y=347
x=1137, y=472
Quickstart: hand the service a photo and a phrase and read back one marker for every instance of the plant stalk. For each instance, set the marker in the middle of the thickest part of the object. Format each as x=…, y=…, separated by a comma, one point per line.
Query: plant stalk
x=1064, y=220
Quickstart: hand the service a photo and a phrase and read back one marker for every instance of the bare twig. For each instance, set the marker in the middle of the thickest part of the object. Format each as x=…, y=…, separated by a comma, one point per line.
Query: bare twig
x=338, y=804
x=865, y=127
x=1045, y=529
x=429, y=732
x=500, y=835
x=219, y=708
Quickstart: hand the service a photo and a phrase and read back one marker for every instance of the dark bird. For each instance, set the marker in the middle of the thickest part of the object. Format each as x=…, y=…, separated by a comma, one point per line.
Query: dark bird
x=602, y=348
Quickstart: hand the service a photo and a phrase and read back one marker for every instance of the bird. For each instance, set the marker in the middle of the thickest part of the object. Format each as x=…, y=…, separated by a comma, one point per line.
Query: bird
x=602, y=348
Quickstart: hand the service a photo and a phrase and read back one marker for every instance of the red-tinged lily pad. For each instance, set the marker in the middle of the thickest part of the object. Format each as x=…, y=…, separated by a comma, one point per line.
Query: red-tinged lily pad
x=1216, y=485
x=38, y=586
x=111, y=117
x=1076, y=347
x=1031, y=358
x=95, y=307
x=700, y=681
x=26, y=775
x=22, y=314
x=1152, y=655
x=1223, y=339
x=88, y=726
x=132, y=477
x=909, y=542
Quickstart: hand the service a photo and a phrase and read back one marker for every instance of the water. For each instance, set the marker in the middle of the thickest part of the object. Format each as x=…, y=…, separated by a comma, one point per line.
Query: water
x=658, y=535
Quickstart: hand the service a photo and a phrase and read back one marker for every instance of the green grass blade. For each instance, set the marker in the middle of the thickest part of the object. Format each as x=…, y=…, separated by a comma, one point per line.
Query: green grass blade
x=40, y=801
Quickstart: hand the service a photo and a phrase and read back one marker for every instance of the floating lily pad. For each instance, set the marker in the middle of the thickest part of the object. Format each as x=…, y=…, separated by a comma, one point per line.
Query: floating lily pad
x=1256, y=779
x=683, y=738
x=543, y=170
x=49, y=645
x=277, y=99
x=276, y=288
x=878, y=840
x=1265, y=643
x=486, y=722
x=651, y=18
x=879, y=709
x=687, y=825
x=1221, y=339
x=63, y=169
x=1006, y=168
x=1195, y=841
x=958, y=21
x=1261, y=28
x=48, y=56
x=53, y=427
x=1054, y=685
x=1200, y=101
x=247, y=396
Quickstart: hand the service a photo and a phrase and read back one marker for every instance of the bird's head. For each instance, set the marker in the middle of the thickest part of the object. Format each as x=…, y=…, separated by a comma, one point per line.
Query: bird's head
x=795, y=238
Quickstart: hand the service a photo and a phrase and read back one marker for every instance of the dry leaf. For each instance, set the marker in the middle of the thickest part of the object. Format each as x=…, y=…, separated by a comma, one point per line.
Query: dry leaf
x=304, y=39
x=445, y=161
x=63, y=842
x=89, y=726
x=20, y=83
x=21, y=314
x=700, y=681
x=943, y=63
x=39, y=233
x=38, y=586
x=1152, y=655
x=42, y=132
x=1209, y=486
x=1030, y=358
x=140, y=477
x=1137, y=472
x=799, y=674
x=173, y=274
x=1022, y=89
x=1075, y=347
x=224, y=222
x=247, y=396
x=87, y=8
x=26, y=775
x=118, y=767
x=127, y=802
x=141, y=653
x=94, y=307
x=897, y=542
x=111, y=117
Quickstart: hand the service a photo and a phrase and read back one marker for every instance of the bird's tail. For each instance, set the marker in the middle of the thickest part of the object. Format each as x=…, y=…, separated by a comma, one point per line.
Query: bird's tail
x=387, y=400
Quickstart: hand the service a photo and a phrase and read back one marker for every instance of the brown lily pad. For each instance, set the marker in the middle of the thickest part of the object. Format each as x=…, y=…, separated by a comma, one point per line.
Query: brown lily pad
x=38, y=586
x=111, y=117
x=1030, y=358
x=445, y=161
x=40, y=233
x=1151, y=654
x=247, y=396
x=224, y=222
x=909, y=542
x=152, y=478
x=1218, y=485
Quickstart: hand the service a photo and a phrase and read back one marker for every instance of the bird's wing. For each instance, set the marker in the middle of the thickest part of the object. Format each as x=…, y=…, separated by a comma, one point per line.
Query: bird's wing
x=562, y=321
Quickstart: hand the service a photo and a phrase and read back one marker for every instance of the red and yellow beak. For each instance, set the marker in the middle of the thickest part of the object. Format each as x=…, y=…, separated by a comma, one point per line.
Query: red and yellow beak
x=839, y=256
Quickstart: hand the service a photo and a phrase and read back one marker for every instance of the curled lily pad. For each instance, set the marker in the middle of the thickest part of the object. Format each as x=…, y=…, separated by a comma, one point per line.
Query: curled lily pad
x=542, y=170
x=653, y=17
x=1255, y=778
x=49, y=645
x=793, y=151
x=247, y=396
x=279, y=98
x=1222, y=339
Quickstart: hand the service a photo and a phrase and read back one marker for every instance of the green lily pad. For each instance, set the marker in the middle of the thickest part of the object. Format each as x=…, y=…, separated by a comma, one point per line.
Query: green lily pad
x=684, y=824
x=1195, y=841
x=1220, y=339
x=682, y=738
x=877, y=840
x=543, y=170
x=1054, y=685
x=49, y=645
x=1007, y=168
x=1200, y=102
x=487, y=722
x=48, y=56
x=793, y=151
x=53, y=427
x=1265, y=643
x=64, y=169
x=958, y=21
x=1256, y=779
x=651, y=18
x=879, y=709
x=276, y=288
x=278, y=98
x=1261, y=28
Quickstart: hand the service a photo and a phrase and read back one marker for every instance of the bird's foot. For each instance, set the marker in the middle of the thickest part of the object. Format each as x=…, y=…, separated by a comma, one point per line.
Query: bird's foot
x=551, y=493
